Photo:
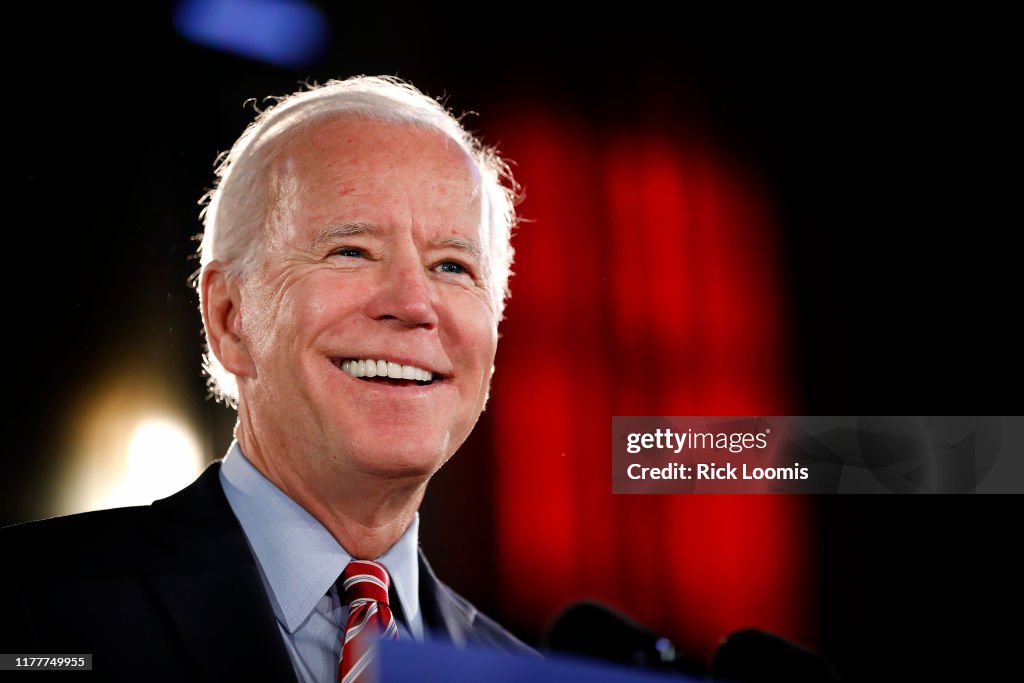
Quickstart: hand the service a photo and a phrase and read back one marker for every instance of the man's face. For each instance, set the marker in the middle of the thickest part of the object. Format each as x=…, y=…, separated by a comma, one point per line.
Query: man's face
x=372, y=253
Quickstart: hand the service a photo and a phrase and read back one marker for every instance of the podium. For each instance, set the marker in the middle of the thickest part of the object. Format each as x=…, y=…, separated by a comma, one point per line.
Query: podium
x=405, y=662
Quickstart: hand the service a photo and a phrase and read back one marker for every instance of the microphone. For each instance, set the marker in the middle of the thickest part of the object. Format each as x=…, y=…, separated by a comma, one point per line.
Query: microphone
x=591, y=629
x=753, y=656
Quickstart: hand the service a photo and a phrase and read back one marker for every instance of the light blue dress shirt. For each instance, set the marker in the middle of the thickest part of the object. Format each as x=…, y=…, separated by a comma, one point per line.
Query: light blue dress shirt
x=300, y=562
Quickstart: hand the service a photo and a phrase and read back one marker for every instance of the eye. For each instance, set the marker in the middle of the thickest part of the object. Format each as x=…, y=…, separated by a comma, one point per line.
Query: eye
x=349, y=252
x=451, y=267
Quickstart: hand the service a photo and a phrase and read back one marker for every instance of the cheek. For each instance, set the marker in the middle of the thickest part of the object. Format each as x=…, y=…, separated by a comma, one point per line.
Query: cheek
x=314, y=310
x=273, y=324
x=257, y=321
x=327, y=299
x=475, y=335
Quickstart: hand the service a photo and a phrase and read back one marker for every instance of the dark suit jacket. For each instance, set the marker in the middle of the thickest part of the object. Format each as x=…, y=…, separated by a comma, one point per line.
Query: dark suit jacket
x=170, y=592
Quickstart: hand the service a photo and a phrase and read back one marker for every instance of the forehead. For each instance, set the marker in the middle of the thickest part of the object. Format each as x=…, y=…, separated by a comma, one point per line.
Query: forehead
x=388, y=171
x=361, y=142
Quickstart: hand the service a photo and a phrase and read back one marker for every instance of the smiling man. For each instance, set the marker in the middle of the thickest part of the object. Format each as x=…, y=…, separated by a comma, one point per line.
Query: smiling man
x=354, y=271
x=363, y=341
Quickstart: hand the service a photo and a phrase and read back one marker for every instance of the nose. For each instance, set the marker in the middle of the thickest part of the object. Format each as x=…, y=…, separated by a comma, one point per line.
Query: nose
x=404, y=294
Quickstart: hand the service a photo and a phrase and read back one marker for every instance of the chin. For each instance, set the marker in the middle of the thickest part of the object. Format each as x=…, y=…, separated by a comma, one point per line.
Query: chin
x=396, y=454
x=401, y=465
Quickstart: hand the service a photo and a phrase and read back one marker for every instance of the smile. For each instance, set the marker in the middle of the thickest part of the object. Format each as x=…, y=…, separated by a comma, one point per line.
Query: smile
x=366, y=369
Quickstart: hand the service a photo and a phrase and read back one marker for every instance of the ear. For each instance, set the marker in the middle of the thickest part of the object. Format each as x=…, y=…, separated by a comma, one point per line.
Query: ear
x=220, y=302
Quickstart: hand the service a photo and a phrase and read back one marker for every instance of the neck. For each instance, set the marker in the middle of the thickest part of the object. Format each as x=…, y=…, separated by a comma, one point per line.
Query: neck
x=365, y=529
x=366, y=513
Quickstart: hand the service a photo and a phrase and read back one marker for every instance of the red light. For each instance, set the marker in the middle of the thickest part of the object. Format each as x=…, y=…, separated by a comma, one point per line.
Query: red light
x=645, y=285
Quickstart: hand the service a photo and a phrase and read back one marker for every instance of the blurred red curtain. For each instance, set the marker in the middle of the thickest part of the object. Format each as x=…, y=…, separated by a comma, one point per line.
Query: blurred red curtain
x=646, y=284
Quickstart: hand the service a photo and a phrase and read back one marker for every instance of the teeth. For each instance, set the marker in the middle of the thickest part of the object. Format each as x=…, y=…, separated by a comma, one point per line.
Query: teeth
x=383, y=368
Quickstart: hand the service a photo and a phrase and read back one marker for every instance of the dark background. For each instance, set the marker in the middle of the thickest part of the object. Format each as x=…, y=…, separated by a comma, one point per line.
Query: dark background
x=884, y=136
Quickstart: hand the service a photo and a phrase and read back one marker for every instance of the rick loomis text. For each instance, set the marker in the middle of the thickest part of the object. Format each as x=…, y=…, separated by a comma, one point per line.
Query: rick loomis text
x=686, y=444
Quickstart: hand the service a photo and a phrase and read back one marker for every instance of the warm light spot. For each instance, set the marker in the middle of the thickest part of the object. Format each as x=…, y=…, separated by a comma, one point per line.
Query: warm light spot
x=163, y=457
x=129, y=446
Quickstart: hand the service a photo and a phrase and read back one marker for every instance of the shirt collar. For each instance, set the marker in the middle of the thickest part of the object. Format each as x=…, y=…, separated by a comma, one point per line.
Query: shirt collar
x=298, y=557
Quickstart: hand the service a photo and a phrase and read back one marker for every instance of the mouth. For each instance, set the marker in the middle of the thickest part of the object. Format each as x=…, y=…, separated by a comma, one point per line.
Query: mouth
x=387, y=372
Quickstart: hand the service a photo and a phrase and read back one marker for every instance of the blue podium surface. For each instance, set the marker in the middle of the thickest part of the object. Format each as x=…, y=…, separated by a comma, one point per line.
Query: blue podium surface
x=402, y=662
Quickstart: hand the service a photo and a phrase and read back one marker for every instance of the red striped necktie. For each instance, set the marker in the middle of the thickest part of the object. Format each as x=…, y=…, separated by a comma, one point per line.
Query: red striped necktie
x=365, y=585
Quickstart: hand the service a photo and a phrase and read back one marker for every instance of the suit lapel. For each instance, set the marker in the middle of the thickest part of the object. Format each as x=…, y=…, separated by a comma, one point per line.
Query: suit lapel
x=208, y=581
x=443, y=613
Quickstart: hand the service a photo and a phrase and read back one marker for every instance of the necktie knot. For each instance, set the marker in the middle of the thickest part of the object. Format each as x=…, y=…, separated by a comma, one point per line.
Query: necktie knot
x=365, y=581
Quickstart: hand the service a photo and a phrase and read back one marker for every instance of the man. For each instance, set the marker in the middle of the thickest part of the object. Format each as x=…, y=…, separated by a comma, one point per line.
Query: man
x=354, y=271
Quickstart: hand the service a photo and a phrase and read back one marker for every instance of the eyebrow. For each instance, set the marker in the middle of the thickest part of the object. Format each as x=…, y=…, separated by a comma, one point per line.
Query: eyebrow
x=333, y=232
x=462, y=244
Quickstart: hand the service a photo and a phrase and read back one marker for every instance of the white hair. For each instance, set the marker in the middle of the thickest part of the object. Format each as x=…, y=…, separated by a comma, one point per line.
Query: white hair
x=236, y=210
